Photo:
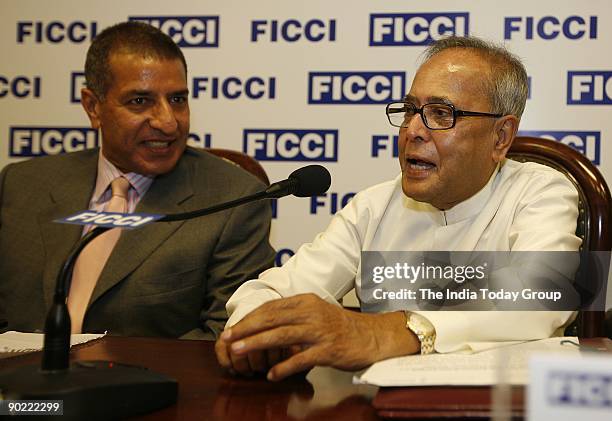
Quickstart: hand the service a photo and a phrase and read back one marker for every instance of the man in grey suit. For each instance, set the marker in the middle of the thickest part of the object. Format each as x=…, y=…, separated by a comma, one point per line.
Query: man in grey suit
x=166, y=279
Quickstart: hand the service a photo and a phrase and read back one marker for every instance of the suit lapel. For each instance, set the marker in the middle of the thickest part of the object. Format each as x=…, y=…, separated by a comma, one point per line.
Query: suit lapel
x=71, y=195
x=169, y=193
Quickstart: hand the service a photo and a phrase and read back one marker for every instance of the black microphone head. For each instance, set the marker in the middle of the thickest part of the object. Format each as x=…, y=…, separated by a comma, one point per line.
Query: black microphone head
x=312, y=180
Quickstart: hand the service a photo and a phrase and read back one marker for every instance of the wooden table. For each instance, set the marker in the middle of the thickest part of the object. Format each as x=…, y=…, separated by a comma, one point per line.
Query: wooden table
x=207, y=392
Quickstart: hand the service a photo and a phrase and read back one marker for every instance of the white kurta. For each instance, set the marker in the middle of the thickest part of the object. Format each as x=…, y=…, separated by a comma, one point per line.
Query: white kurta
x=523, y=207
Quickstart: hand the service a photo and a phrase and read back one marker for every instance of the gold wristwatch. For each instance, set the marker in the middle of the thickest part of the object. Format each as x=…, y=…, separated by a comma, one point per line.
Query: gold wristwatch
x=423, y=329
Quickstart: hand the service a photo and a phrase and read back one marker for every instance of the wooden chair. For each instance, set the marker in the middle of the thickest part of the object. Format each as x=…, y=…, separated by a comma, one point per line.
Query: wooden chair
x=243, y=161
x=594, y=205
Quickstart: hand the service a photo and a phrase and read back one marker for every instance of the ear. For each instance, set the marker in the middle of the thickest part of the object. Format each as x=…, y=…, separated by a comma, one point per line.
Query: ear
x=91, y=105
x=505, y=132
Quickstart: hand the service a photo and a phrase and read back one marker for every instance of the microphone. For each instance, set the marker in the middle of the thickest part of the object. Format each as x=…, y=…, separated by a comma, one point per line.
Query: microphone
x=105, y=389
x=311, y=180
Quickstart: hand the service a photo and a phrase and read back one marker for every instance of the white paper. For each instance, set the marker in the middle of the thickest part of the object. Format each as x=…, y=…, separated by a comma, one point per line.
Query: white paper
x=12, y=341
x=507, y=364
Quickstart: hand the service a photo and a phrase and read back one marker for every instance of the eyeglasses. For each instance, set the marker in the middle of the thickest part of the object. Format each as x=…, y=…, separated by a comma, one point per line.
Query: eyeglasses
x=435, y=116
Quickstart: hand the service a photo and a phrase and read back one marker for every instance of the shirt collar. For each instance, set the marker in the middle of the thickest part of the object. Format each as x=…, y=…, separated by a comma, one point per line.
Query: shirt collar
x=460, y=211
x=107, y=172
x=472, y=205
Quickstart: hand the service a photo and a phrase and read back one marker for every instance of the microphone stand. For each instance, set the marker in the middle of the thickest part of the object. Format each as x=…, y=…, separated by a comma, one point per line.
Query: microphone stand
x=92, y=390
x=58, y=324
x=102, y=390
x=56, y=345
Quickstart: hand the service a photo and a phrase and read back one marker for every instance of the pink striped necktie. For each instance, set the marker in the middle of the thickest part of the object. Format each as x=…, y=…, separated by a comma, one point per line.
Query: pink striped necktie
x=90, y=263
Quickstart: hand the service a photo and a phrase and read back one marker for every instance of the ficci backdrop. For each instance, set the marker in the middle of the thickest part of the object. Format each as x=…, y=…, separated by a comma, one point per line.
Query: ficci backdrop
x=295, y=82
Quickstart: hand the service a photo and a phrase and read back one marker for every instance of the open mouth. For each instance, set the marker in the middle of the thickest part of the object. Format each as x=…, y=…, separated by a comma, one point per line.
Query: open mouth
x=419, y=164
x=157, y=144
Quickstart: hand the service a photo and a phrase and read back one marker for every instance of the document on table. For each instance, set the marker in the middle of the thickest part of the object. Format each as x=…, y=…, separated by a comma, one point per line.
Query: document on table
x=19, y=342
x=506, y=364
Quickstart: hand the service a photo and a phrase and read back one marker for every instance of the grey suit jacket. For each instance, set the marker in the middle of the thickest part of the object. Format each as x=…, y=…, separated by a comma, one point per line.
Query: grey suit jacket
x=167, y=279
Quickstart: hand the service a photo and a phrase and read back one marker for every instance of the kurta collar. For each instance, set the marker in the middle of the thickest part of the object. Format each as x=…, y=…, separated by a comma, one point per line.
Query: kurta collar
x=460, y=211
x=471, y=206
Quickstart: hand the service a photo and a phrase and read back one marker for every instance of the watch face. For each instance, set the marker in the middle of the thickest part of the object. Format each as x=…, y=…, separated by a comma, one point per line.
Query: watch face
x=412, y=325
x=417, y=325
x=424, y=330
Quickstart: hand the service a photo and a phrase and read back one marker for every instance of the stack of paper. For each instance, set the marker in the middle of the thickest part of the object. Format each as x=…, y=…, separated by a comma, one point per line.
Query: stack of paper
x=506, y=364
x=17, y=342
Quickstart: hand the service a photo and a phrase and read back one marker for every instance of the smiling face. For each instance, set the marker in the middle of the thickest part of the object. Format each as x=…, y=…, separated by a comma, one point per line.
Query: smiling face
x=144, y=117
x=445, y=167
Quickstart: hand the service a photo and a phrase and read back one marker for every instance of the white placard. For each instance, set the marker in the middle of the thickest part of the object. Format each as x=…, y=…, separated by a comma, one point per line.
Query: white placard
x=563, y=388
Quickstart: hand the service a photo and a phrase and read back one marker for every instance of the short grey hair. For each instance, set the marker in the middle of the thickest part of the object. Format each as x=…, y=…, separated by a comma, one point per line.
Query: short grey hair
x=508, y=85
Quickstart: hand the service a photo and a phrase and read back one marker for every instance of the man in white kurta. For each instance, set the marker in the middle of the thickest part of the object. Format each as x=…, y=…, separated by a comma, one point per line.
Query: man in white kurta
x=524, y=206
x=457, y=192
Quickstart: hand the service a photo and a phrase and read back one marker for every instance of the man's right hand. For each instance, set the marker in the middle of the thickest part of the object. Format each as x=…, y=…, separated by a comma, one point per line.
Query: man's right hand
x=316, y=333
x=254, y=362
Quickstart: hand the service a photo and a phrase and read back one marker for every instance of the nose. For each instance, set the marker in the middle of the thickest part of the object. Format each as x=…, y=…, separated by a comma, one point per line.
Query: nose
x=416, y=130
x=163, y=118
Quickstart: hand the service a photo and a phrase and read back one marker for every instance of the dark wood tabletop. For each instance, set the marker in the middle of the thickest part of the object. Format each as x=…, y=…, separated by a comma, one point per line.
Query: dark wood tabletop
x=207, y=392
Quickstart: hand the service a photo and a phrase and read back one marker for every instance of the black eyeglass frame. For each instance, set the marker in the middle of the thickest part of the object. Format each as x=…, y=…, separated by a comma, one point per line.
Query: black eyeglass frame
x=456, y=113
